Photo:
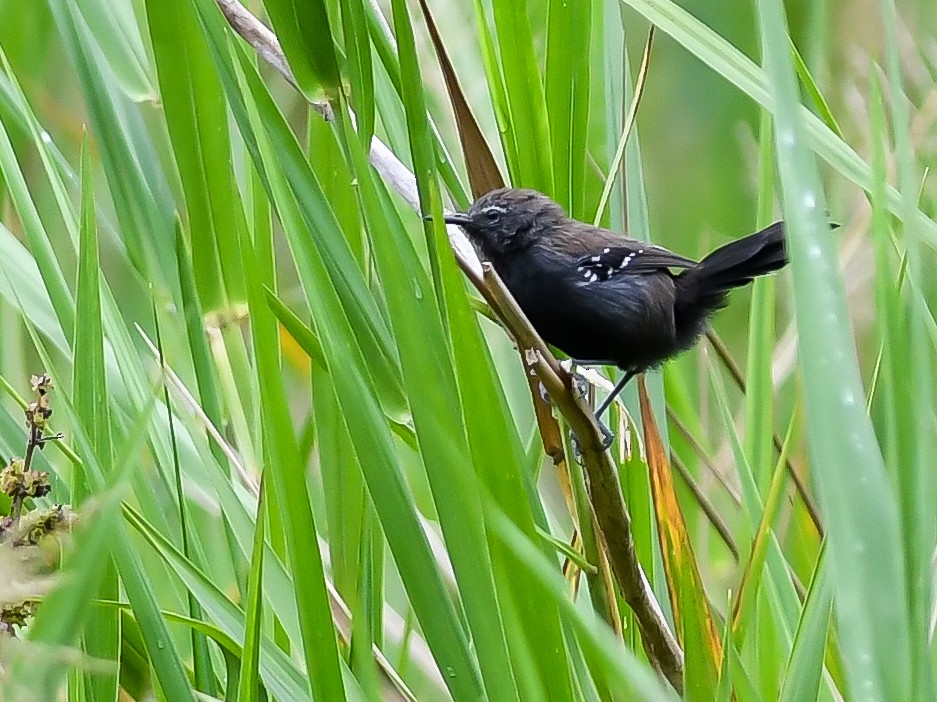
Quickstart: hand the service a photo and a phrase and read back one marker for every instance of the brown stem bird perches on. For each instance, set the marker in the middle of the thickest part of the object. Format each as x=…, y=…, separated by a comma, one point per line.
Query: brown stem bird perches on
x=603, y=298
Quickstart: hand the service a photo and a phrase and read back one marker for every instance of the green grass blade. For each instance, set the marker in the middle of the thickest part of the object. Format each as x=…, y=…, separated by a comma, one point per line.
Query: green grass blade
x=526, y=101
x=805, y=668
x=438, y=421
x=608, y=656
x=916, y=481
x=759, y=395
x=567, y=83
x=101, y=638
x=248, y=689
x=67, y=608
x=286, y=469
x=861, y=511
x=192, y=100
x=163, y=656
x=361, y=76
x=117, y=33
x=282, y=678
x=304, y=32
x=392, y=497
x=128, y=157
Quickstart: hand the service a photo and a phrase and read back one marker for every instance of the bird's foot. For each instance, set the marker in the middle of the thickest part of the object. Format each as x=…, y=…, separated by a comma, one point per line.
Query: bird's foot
x=581, y=386
x=580, y=383
x=608, y=438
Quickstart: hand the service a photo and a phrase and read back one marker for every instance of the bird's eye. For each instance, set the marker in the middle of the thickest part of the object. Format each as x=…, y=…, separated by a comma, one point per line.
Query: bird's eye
x=492, y=216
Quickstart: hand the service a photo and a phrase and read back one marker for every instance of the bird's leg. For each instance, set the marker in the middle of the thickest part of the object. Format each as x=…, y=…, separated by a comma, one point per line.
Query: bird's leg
x=607, y=435
x=607, y=402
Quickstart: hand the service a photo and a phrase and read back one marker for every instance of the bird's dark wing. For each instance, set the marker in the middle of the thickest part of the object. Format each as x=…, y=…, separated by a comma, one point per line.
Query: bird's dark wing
x=632, y=257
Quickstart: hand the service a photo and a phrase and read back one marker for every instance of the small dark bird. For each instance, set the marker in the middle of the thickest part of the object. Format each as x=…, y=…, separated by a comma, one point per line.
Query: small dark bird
x=603, y=298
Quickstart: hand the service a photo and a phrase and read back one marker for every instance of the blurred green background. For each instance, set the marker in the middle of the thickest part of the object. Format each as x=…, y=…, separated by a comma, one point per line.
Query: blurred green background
x=415, y=542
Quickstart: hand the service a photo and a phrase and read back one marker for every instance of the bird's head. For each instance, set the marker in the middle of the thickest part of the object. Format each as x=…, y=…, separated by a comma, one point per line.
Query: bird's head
x=508, y=219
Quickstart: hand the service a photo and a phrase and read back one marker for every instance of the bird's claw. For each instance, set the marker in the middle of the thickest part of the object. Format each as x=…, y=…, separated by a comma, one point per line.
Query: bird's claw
x=580, y=385
x=608, y=438
x=579, y=382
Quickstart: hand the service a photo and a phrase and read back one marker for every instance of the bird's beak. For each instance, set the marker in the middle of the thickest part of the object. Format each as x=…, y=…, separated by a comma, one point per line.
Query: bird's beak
x=459, y=218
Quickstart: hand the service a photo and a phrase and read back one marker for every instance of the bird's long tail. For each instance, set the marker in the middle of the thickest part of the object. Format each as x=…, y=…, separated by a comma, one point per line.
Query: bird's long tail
x=736, y=264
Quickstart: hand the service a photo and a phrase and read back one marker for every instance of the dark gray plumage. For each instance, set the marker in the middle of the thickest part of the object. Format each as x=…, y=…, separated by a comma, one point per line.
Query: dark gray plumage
x=601, y=297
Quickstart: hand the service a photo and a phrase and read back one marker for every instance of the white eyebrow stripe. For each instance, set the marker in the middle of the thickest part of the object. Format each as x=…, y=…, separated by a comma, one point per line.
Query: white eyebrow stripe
x=493, y=208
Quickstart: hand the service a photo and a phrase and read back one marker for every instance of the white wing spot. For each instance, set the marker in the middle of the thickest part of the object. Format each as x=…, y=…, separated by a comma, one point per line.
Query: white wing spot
x=593, y=278
x=640, y=251
x=596, y=259
x=605, y=250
